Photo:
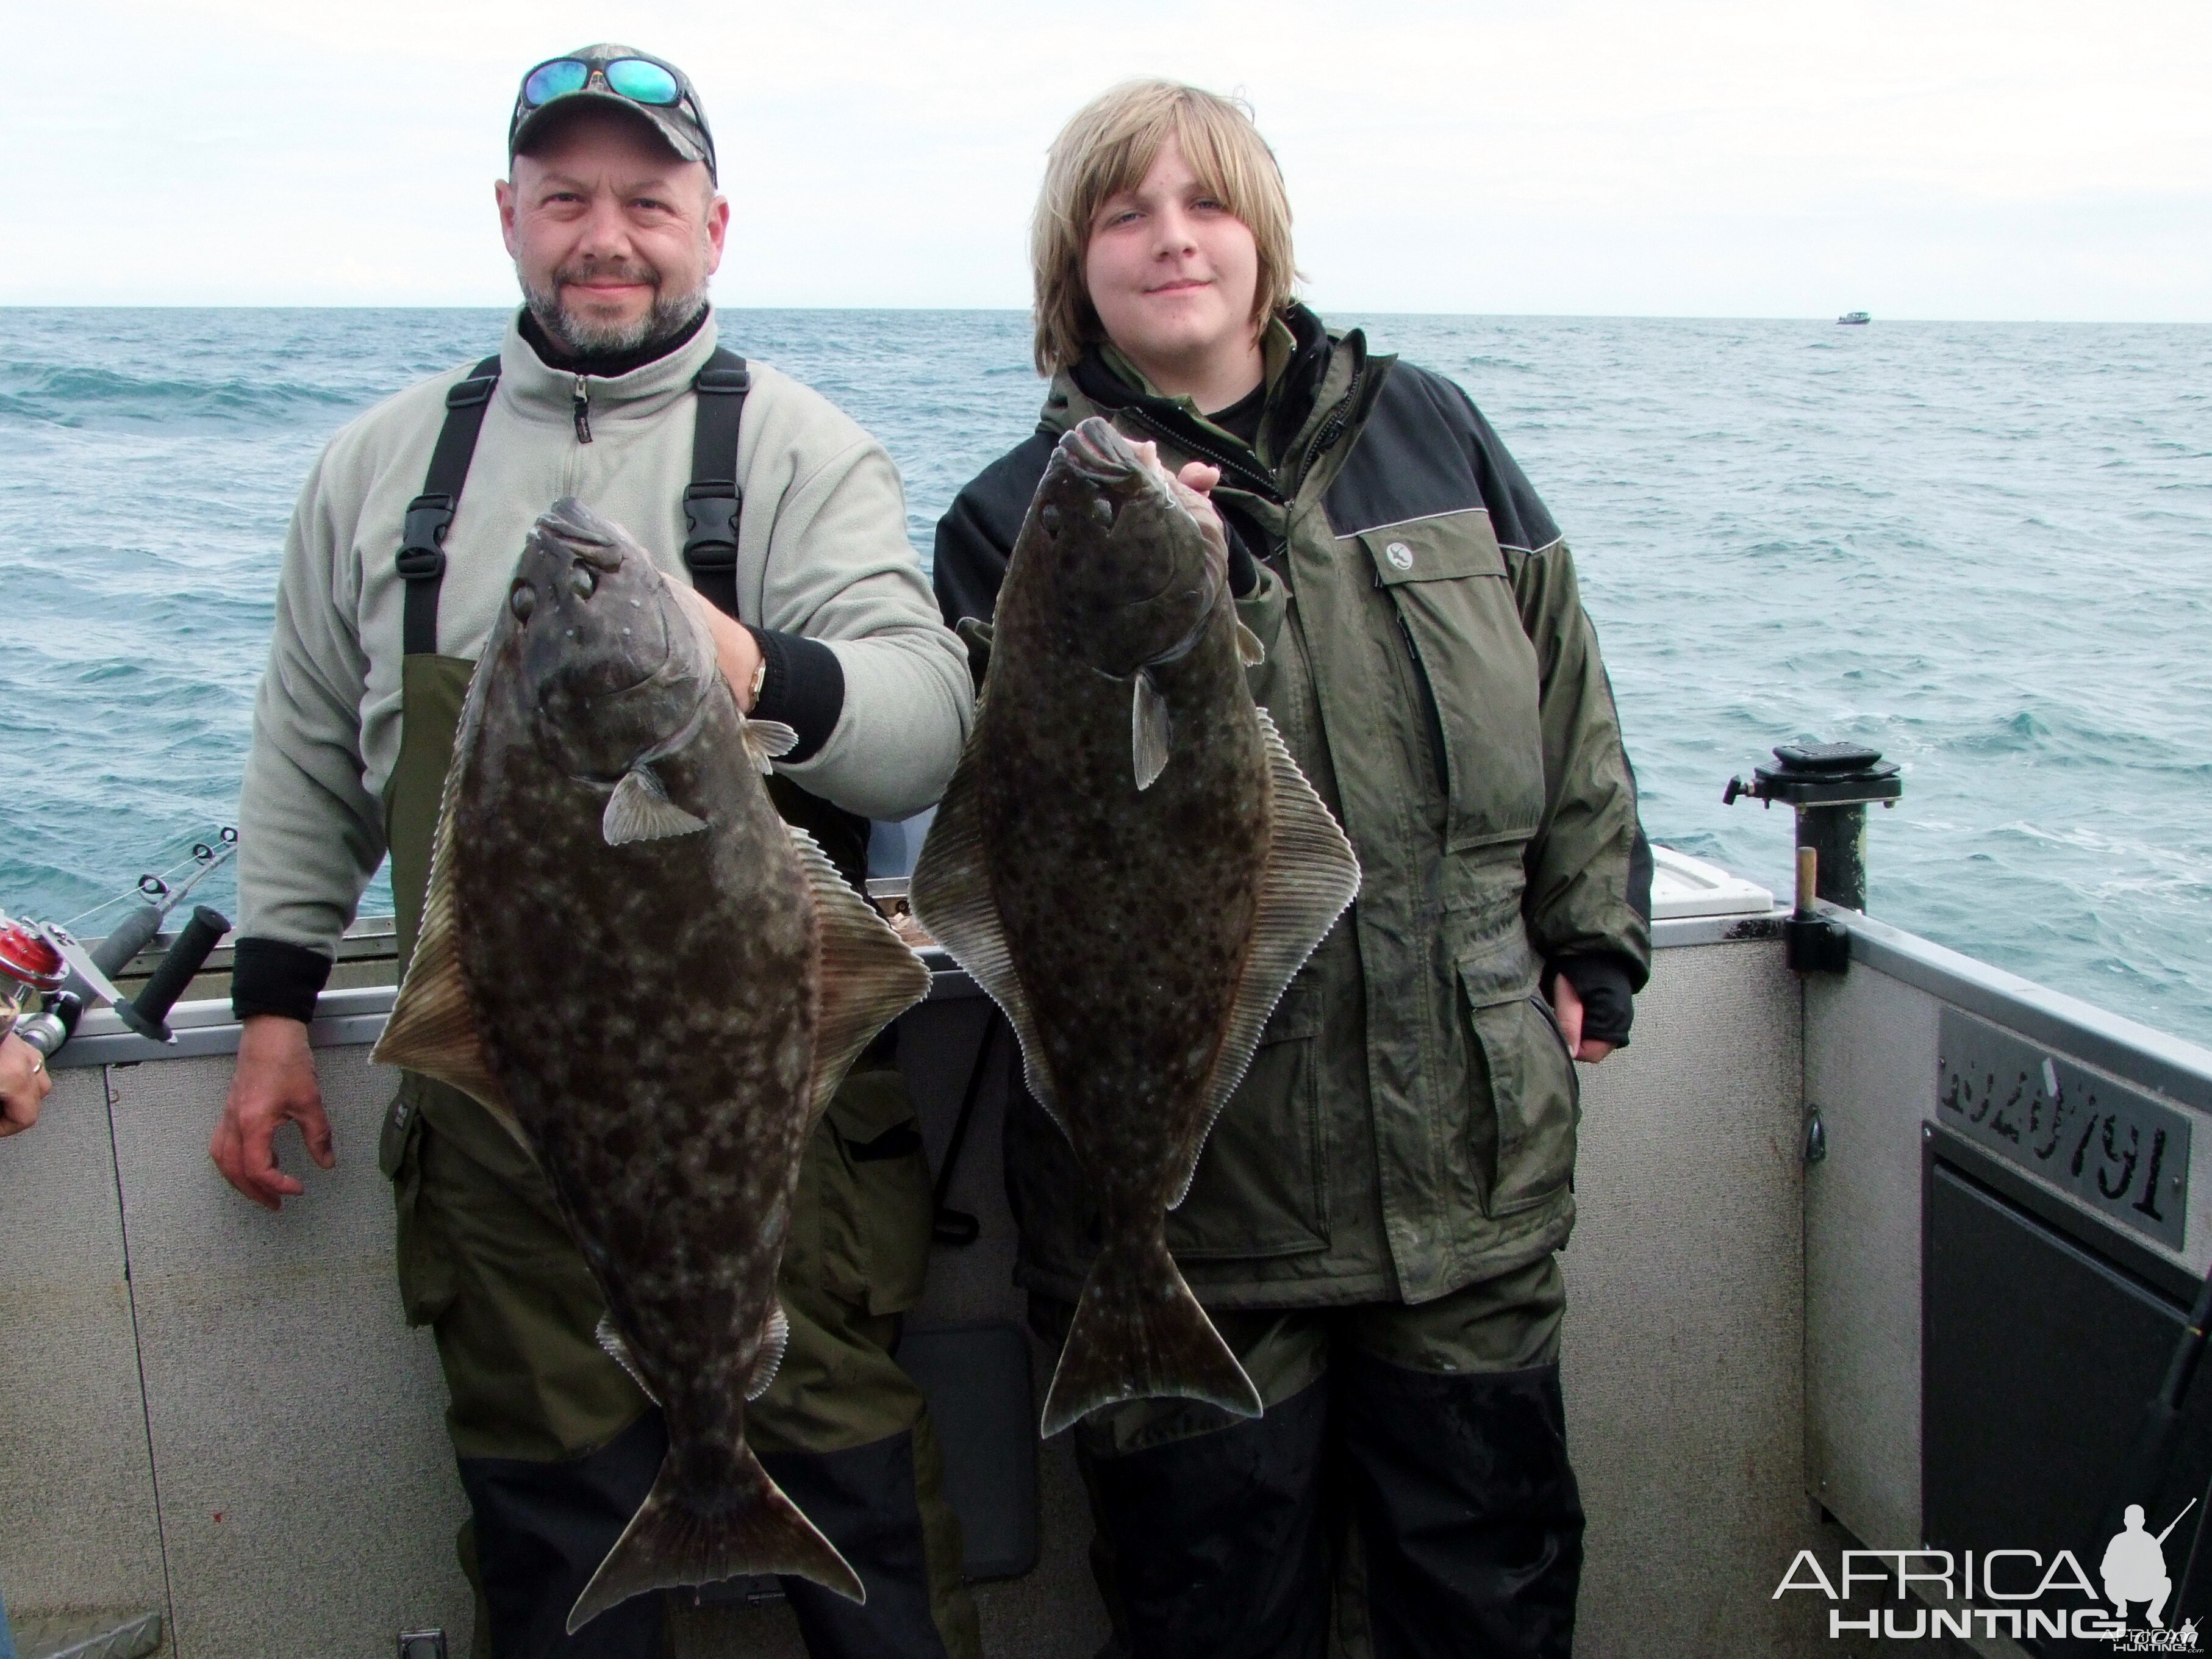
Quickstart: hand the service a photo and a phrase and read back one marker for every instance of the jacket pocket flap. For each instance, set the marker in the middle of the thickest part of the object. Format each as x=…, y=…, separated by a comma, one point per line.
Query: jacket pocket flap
x=1496, y=970
x=1442, y=548
x=1298, y=1015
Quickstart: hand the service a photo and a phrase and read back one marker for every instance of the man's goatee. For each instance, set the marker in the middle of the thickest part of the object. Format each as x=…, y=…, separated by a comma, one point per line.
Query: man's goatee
x=670, y=315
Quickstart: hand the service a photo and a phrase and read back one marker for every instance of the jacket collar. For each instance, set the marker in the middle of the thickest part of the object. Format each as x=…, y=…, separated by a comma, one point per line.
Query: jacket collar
x=539, y=392
x=1318, y=372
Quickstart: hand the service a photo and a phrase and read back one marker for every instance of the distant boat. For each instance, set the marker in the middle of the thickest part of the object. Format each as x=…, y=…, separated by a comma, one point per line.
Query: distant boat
x=1855, y=317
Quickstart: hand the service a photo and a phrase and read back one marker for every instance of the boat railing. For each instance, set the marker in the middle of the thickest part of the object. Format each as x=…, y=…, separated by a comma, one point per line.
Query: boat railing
x=1773, y=1343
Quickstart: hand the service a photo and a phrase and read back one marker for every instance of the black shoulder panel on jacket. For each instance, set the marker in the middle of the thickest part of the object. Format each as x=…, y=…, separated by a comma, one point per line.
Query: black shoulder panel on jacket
x=1426, y=450
x=976, y=535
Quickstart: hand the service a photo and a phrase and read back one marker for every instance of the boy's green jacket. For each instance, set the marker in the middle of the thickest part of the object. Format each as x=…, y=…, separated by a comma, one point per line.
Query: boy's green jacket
x=1408, y=1127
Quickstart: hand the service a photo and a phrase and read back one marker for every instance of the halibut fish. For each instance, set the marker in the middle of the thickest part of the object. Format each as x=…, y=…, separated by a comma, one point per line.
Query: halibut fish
x=1131, y=863
x=655, y=985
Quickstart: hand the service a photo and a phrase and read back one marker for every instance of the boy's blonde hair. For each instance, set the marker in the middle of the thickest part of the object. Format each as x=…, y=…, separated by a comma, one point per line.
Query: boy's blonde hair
x=1110, y=147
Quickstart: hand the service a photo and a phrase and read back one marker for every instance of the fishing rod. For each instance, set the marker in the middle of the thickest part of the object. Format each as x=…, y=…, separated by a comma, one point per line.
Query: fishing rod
x=46, y=962
x=136, y=930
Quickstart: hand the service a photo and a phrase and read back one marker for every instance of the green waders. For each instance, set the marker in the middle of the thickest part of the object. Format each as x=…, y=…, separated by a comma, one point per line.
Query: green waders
x=1414, y=1456
x=557, y=1445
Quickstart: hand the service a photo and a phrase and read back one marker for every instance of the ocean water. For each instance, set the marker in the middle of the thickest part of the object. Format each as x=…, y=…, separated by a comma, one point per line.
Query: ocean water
x=1983, y=549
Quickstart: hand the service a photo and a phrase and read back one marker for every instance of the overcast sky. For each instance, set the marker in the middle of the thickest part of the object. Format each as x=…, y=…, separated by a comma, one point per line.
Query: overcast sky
x=2028, y=158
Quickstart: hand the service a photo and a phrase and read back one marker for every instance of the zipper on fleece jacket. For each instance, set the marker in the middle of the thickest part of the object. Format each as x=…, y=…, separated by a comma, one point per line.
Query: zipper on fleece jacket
x=582, y=404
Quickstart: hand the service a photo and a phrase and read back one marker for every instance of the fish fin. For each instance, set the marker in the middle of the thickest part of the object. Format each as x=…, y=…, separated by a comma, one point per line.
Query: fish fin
x=769, y=740
x=431, y=1028
x=869, y=975
x=673, y=1541
x=1311, y=875
x=1249, y=652
x=1150, y=730
x=774, y=1341
x=640, y=810
x=610, y=1340
x=1139, y=1334
x=950, y=893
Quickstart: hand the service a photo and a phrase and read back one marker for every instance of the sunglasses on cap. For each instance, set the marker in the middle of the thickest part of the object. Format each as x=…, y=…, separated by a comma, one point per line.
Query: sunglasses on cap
x=638, y=79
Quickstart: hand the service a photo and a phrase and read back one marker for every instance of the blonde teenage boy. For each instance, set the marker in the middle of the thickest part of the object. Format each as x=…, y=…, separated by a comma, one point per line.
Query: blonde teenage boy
x=1375, y=1218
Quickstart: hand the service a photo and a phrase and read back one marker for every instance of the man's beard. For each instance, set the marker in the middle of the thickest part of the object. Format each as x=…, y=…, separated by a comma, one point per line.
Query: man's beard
x=668, y=317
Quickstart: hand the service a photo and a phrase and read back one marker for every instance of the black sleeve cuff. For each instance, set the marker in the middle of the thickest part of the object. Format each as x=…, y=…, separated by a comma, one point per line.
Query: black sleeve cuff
x=1608, y=1004
x=269, y=977
x=803, y=688
x=1243, y=570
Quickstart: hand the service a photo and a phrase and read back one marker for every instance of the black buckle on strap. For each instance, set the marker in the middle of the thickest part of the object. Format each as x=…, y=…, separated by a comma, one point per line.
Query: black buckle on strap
x=724, y=381
x=463, y=394
x=711, y=510
x=422, y=542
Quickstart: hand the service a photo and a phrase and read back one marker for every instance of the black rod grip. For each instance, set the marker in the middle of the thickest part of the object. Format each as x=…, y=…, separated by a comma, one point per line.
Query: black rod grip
x=130, y=936
x=151, y=1006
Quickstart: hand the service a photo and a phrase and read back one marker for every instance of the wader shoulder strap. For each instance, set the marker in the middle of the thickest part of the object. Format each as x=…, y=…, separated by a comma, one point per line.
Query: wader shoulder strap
x=711, y=506
x=711, y=501
x=430, y=514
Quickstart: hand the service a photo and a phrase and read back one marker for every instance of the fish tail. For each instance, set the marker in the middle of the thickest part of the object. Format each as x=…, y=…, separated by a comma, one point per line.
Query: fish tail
x=746, y=1526
x=1139, y=1332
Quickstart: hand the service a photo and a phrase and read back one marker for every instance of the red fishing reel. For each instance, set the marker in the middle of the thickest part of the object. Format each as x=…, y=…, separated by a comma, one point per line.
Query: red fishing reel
x=31, y=968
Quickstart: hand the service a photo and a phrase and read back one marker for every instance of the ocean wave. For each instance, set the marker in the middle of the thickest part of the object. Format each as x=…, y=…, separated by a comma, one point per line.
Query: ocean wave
x=1982, y=550
x=74, y=396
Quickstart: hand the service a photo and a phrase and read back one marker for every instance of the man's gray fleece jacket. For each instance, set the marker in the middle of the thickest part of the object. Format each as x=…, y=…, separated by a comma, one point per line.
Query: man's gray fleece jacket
x=822, y=553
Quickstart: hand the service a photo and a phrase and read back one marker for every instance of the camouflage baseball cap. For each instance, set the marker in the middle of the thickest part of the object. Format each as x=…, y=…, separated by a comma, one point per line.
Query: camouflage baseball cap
x=622, y=77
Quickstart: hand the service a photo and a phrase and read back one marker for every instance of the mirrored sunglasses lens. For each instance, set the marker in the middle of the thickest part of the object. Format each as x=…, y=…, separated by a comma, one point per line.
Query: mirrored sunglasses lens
x=555, y=79
x=644, y=82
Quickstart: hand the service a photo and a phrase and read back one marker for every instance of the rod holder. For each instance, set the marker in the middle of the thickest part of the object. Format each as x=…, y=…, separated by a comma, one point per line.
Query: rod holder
x=1830, y=786
x=1813, y=943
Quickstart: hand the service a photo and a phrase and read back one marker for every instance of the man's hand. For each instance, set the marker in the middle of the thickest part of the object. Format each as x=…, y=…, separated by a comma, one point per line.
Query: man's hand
x=23, y=1084
x=737, y=653
x=275, y=1081
x=1567, y=1004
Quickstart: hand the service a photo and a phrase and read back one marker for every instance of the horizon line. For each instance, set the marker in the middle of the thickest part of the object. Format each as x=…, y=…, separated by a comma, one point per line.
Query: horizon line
x=1022, y=311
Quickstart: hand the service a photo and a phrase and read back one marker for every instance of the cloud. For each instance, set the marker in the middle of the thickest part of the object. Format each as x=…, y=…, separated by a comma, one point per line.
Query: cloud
x=1939, y=159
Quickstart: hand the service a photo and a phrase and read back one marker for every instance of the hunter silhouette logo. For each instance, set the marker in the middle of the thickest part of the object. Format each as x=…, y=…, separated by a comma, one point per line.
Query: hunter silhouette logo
x=2133, y=1568
x=1931, y=1594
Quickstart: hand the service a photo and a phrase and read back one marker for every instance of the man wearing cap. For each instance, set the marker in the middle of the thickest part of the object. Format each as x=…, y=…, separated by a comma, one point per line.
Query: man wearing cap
x=610, y=385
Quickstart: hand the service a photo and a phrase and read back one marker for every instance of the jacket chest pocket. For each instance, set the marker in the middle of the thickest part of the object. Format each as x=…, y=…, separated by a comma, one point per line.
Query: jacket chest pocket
x=1474, y=671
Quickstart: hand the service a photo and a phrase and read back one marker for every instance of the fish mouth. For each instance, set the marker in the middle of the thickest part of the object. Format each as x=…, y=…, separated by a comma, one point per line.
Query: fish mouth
x=615, y=643
x=1097, y=451
x=580, y=533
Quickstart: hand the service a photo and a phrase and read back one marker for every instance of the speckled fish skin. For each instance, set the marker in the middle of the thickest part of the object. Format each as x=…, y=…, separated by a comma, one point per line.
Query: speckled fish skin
x=1125, y=916
x=649, y=1012
x=669, y=1123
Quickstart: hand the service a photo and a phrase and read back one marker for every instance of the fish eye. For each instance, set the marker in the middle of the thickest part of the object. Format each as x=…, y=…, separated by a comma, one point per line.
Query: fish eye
x=583, y=580
x=522, y=601
x=1049, y=518
x=1102, y=510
